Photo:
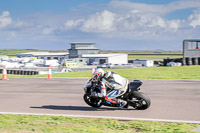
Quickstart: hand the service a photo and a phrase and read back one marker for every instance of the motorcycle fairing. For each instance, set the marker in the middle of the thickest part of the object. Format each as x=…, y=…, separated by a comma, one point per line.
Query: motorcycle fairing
x=134, y=85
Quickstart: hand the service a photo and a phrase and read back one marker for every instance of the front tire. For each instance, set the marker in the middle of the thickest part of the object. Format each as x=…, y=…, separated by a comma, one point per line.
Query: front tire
x=139, y=100
x=93, y=102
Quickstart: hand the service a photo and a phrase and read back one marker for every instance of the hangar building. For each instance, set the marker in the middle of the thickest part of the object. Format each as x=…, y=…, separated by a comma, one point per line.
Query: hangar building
x=45, y=55
x=106, y=58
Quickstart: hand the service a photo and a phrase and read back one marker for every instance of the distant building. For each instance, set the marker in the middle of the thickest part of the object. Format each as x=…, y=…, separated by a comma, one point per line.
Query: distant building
x=45, y=55
x=106, y=58
x=80, y=54
x=191, y=52
x=79, y=48
x=75, y=62
x=145, y=63
x=4, y=57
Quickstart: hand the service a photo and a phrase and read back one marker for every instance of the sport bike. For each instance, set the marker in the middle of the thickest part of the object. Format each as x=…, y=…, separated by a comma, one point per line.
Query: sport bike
x=137, y=100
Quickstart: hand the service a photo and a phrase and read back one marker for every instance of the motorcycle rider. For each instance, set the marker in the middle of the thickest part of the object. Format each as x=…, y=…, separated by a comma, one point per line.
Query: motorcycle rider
x=116, y=84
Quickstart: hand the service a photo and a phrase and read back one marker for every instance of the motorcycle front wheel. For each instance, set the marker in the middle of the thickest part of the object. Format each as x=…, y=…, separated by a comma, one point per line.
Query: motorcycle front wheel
x=93, y=102
x=139, y=100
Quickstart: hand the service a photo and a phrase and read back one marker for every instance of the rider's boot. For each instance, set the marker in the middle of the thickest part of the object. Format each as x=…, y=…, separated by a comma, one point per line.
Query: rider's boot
x=122, y=103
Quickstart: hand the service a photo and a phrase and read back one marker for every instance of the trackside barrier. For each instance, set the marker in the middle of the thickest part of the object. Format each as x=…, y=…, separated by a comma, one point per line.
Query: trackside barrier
x=20, y=72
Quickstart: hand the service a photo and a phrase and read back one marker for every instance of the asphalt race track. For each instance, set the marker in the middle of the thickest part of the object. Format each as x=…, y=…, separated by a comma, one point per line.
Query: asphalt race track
x=171, y=99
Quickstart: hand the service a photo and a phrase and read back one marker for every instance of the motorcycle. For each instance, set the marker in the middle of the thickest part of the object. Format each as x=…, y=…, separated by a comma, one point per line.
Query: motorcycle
x=138, y=100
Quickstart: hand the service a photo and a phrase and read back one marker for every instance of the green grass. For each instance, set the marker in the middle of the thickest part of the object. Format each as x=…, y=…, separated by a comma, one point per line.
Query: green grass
x=152, y=57
x=58, y=124
x=140, y=52
x=182, y=72
x=156, y=55
x=186, y=72
x=13, y=52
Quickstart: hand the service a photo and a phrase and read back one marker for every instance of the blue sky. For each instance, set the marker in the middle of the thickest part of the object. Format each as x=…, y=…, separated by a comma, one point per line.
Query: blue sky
x=111, y=24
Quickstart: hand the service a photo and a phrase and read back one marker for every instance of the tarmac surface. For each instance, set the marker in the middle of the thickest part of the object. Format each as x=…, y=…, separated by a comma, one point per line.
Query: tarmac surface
x=170, y=99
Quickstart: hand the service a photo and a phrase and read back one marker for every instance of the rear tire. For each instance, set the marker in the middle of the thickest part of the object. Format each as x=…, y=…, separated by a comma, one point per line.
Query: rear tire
x=93, y=102
x=139, y=100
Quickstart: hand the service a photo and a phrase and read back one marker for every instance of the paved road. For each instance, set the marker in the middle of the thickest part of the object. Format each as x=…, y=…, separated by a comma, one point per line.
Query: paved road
x=171, y=99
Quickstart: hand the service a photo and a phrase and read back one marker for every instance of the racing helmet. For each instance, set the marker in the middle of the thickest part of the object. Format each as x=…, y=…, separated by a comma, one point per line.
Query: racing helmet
x=99, y=73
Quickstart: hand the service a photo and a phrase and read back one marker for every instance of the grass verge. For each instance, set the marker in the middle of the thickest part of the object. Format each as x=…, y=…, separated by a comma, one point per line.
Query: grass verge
x=55, y=124
x=152, y=57
x=183, y=72
x=13, y=52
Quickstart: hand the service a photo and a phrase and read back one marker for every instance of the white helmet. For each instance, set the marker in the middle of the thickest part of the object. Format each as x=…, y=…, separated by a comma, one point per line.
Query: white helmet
x=99, y=73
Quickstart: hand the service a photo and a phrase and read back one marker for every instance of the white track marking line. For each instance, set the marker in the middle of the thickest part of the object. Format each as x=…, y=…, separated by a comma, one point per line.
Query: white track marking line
x=104, y=117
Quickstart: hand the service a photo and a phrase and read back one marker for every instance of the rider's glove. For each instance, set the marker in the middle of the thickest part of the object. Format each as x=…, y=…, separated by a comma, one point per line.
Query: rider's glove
x=95, y=94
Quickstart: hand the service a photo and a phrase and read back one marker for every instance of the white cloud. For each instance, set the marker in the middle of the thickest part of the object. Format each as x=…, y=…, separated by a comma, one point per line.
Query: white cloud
x=174, y=24
x=195, y=19
x=70, y=24
x=107, y=22
x=97, y=23
x=100, y=22
x=47, y=31
x=5, y=19
x=119, y=20
x=124, y=6
x=158, y=22
x=125, y=19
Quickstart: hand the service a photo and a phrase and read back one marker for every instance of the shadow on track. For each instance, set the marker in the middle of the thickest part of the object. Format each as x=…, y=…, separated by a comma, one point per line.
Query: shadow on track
x=76, y=108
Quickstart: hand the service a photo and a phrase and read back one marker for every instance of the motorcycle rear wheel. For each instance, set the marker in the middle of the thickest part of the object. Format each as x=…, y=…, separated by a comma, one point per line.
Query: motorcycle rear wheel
x=139, y=100
x=93, y=102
